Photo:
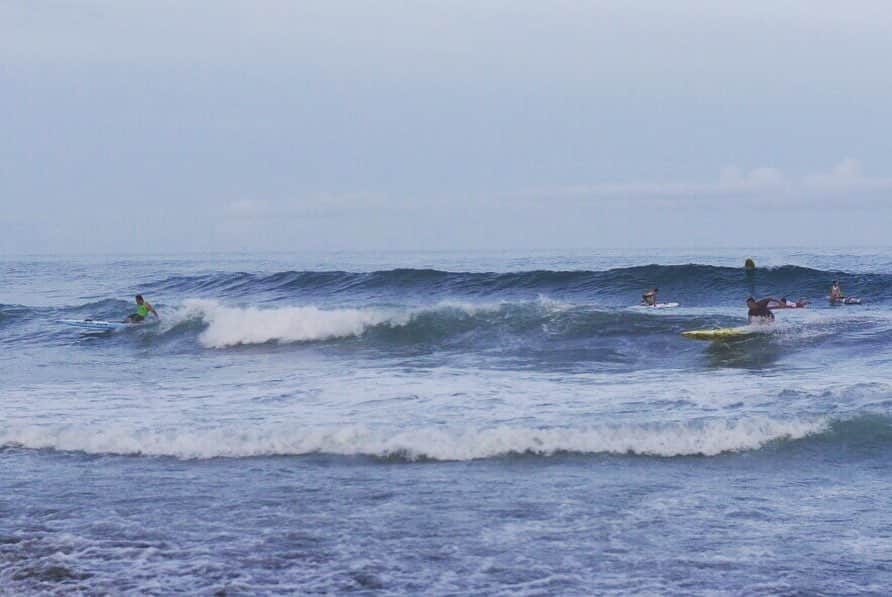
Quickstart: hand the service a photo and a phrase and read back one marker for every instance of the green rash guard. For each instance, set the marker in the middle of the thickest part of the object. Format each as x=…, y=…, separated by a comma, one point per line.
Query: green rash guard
x=142, y=310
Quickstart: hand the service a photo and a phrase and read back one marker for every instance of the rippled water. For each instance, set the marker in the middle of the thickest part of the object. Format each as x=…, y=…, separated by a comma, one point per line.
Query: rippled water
x=445, y=423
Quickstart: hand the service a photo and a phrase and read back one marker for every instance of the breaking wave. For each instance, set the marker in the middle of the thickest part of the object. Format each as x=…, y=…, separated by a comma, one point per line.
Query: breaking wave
x=702, y=438
x=232, y=326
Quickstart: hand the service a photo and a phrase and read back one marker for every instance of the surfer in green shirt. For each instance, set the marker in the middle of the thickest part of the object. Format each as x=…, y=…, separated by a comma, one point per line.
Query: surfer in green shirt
x=143, y=308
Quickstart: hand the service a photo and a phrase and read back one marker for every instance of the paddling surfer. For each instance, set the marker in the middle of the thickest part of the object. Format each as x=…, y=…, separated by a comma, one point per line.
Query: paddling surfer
x=759, y=312
x=649, y=298
x=785, y=304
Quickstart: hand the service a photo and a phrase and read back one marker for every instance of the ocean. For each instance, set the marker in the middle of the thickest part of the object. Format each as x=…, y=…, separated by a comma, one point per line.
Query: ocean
x=445, y=423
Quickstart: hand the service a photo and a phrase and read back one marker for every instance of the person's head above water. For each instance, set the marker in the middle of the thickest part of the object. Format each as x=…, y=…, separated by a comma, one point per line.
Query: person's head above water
x=750, y=300
x=749, y=263
x=139, y=299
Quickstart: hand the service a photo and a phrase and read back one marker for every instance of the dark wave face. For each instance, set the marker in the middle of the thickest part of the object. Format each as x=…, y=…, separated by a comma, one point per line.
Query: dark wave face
x=692, y=285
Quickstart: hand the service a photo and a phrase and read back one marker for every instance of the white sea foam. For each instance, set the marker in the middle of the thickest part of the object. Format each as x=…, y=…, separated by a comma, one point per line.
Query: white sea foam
x=231, y=326
x=707, y=438
x=468, y=307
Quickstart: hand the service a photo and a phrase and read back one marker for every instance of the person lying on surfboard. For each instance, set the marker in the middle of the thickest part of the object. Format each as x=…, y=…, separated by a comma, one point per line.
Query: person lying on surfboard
x=785, y=304
x=649, y=298
x=143, y=308
x=759, y=311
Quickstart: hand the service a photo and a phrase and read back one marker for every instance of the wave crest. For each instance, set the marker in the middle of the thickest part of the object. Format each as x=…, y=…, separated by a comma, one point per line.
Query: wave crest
x=707, y=438
x=233, y=326
x=689, y=283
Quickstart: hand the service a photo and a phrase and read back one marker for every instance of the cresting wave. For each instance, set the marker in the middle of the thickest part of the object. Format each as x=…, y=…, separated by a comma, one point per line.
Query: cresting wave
x=538, y=324
x=704, y=438
x=231, y=326
x=9, y=313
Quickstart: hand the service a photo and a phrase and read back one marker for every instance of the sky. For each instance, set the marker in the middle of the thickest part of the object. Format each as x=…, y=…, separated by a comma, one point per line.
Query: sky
x=167, y=126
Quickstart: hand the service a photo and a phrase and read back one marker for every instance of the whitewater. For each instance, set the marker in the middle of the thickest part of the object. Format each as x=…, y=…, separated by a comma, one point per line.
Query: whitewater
x=445, y=423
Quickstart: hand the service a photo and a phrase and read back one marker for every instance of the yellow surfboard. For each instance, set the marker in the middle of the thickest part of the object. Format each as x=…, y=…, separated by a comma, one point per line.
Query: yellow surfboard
x=721, y=333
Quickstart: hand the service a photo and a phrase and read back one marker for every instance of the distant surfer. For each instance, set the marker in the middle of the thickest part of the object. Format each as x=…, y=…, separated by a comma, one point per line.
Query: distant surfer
x=749, y=266
x=649, y=298
x=836, y=292
x=836, y=295
x=786, y=304
x=143, y=308
x=759, y=312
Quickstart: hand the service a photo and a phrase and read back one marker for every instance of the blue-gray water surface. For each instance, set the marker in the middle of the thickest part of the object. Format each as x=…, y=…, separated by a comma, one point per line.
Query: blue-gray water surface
x=445, y=423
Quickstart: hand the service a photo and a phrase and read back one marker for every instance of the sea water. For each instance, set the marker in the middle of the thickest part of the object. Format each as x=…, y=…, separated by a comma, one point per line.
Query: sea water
x=445, y=423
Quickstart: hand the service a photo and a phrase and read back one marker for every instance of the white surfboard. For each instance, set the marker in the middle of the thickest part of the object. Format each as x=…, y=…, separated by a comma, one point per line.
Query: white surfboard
x=100, y=325
x=658, y=306
x=849, y=300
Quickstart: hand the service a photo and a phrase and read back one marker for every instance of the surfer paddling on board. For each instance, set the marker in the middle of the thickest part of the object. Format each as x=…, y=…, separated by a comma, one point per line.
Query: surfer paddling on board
x=649, y=298
x=759, y=311
x=143, y=308
x=785, y=304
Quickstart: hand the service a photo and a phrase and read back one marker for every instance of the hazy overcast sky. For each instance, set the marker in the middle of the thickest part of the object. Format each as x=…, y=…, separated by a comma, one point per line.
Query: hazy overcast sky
x=170, y=126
